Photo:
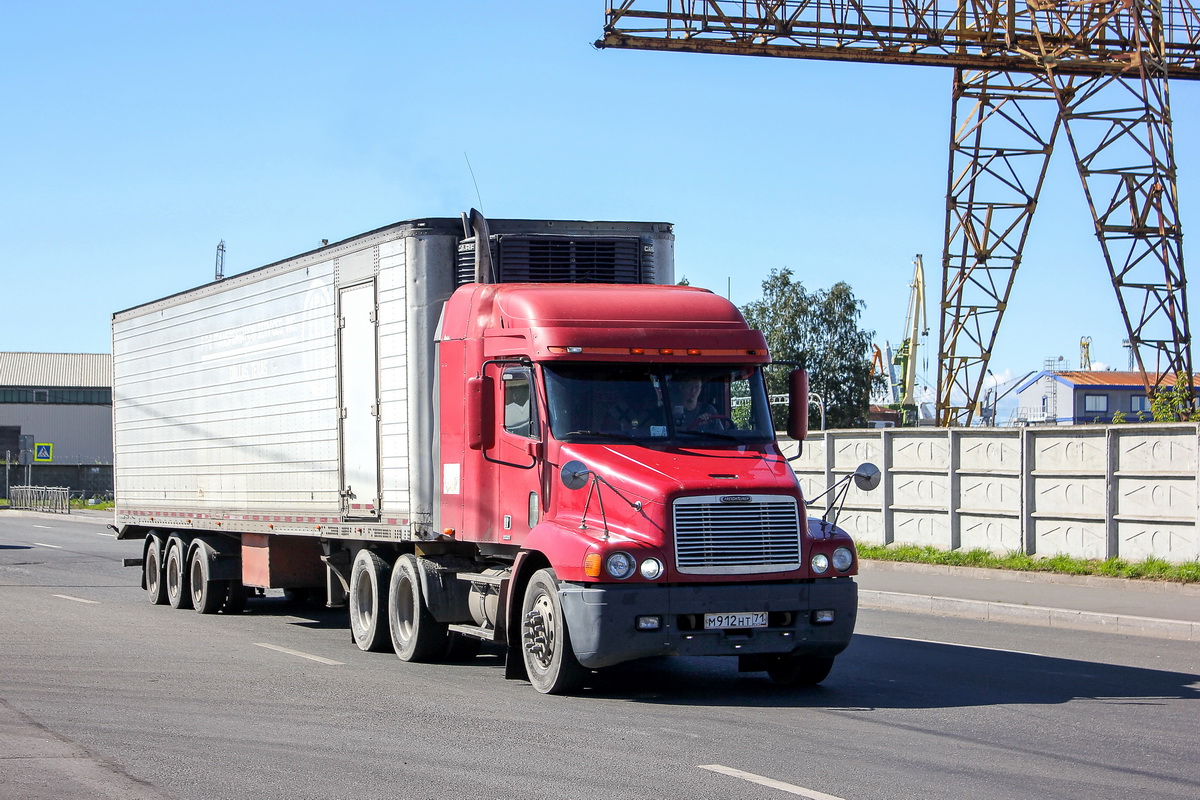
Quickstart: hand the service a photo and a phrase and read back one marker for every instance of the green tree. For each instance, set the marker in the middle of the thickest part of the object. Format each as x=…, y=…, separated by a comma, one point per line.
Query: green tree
x=1175, y=404
x=819, y=330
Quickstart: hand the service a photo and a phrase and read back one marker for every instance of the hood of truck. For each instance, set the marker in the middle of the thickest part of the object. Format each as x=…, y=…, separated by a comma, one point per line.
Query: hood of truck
x=657, y=475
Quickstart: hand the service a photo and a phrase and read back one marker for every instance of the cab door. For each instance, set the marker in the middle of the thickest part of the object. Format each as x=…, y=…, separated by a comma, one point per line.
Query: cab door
x=517, y=455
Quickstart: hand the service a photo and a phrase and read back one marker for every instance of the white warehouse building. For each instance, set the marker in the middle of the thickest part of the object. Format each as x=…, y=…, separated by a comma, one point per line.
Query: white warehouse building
x=64, y=402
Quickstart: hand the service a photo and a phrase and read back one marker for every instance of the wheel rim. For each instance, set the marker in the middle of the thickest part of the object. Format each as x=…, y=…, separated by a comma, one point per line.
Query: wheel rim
x=405, y=608
x=152, y=570
x=197, y=574
x=537, y=631
x=174, y=574
x=364, y=602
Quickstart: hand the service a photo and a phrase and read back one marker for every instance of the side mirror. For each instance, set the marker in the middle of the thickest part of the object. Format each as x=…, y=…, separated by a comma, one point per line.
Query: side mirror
x=574, y=475
x=867, y=476
x=481, y=427
x=797, y=424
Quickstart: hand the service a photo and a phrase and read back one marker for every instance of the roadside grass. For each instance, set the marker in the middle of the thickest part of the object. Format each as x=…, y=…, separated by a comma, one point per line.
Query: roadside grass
x=101, y=505
x=1154, y=569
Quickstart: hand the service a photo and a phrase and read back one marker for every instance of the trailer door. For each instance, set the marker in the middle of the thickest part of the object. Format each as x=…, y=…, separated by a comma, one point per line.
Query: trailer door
x=359, y=401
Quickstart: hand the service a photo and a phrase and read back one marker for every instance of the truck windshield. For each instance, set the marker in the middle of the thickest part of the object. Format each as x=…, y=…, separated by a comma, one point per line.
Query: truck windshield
x=657, y=404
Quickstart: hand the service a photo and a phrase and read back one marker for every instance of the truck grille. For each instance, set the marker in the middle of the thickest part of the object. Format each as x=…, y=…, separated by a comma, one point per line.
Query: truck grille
x=749, y=534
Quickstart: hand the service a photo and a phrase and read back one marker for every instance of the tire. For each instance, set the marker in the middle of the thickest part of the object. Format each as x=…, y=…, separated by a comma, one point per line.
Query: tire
x=416, y=635
x=235, y=598
x=176, y=578
x=546, y=648
x=460, y=647
x=367, y=606
x=207, y=595
x=154, y=572
x=792, y=670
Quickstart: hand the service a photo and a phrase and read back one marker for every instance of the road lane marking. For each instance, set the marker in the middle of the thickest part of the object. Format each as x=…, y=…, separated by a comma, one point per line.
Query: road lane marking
x=109, y=535
x=78, y=599
x=309, y=656
x=44, y=527
x=960, y=644
x=43, y=544
x=799, y=791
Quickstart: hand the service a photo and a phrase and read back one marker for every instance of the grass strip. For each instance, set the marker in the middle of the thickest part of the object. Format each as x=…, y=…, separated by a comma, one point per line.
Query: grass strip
x=1154, y=569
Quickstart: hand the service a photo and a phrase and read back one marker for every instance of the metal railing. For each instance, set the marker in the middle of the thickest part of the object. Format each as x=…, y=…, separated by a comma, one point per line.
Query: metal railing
x=55, y=499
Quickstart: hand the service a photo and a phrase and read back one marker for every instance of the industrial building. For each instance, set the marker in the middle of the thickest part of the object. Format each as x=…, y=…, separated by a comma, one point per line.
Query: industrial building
x=1076, y=397
x=62, y=404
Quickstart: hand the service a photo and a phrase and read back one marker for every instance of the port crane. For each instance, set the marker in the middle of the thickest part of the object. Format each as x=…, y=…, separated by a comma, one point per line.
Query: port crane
x=1024, y=72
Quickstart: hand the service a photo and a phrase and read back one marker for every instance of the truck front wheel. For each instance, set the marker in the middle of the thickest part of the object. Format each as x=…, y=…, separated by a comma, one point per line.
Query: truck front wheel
x=545, y=642
x=367, y=621
x=416, y=635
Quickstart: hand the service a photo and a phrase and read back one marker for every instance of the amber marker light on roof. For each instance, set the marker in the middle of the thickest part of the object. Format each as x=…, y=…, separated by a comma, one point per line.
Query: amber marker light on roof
x=692, y=351
x=637, y=351
x=666, y=351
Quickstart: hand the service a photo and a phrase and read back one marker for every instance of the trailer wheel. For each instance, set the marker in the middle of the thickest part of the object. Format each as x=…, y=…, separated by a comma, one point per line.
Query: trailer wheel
x=367, y=623
x=208, y=595
x=416, y=635
x=177, y=578
x=545, y=642
x=791, y=670
x=235, y=598
x=155, y=577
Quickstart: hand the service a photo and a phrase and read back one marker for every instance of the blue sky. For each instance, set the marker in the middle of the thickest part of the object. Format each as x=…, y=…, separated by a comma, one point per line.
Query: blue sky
x=139, y=134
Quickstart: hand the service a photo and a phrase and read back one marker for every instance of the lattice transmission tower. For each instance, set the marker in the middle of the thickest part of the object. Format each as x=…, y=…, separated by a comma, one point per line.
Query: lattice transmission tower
x=1024, y=70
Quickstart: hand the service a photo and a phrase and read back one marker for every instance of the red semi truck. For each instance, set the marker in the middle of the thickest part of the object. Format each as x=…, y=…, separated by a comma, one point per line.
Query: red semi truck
x=514, y=431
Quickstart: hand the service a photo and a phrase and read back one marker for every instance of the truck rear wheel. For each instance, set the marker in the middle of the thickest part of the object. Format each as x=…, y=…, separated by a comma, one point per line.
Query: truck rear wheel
x=367, y=622
x=208, y=595
x=176, y=574
x=545, y=642
x=791, y=670
x=416, y=635
x=155, y=577
x=235, y=598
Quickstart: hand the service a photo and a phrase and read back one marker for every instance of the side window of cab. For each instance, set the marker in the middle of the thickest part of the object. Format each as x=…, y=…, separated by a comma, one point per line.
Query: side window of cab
x=520, y=411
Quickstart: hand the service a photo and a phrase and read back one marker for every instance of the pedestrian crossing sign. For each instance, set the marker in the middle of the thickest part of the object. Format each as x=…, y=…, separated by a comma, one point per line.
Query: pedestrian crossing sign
x=43, y=451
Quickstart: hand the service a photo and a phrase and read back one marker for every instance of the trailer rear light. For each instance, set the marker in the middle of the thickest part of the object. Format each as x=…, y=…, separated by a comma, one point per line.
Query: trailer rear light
x=591, y=565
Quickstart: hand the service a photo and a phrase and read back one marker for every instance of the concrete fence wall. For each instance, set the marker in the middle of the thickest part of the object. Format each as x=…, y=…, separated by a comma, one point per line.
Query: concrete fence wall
x=1091, y=491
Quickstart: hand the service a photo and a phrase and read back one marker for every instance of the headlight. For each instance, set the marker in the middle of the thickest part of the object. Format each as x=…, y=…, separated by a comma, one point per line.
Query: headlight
x=651, y=568
x=820, y=563
x=842, y=559
x=620, y=565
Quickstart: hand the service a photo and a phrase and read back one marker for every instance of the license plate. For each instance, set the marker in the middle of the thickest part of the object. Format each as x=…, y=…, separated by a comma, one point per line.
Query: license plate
x=752, y=619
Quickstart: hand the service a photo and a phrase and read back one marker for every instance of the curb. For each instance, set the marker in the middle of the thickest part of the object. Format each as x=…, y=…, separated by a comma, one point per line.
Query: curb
x=1179, y=630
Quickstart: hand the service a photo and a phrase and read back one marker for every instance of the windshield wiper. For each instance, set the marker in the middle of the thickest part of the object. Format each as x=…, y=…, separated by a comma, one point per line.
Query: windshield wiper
x=714, y=434
x=604, y=434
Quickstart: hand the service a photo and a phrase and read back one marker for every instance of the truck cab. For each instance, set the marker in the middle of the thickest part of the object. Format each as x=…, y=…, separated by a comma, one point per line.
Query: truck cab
x=626, y=479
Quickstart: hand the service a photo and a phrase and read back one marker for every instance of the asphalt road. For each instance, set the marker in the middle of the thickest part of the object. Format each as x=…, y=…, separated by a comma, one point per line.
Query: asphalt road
x=104, y=695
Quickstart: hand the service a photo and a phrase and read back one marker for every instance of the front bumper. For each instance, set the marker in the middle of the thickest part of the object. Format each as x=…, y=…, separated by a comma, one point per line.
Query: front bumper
x=602, y=619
